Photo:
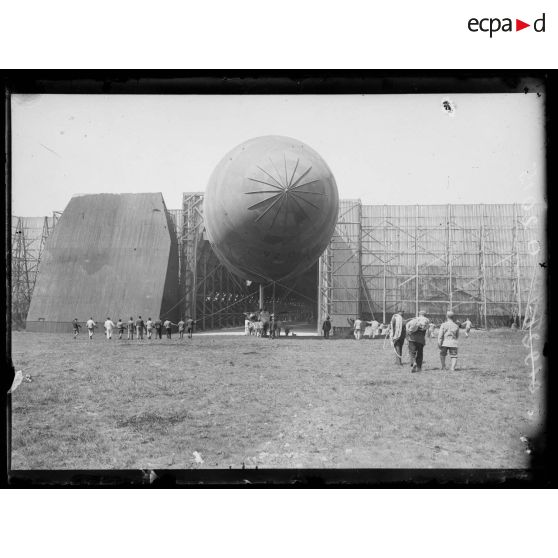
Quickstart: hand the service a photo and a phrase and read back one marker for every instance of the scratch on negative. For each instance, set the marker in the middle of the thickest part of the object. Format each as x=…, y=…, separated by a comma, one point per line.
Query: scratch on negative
x=49, y=149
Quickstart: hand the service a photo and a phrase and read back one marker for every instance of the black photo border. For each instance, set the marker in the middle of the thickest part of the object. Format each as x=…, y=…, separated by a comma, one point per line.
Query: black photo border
x=299, y=82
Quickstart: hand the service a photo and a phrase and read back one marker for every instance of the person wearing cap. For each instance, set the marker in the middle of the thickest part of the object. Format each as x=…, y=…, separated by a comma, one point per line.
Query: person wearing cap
x=416, y=336
x=326, y=327
x=447, y=340
x=397, y=333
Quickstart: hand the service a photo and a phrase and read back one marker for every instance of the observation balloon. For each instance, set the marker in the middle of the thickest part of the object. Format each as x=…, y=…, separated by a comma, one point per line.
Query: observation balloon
x=270, y=208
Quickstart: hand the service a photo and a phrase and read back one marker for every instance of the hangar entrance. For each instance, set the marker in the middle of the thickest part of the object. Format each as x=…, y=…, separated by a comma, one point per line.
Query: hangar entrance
x=219, y=299
x=215, y=297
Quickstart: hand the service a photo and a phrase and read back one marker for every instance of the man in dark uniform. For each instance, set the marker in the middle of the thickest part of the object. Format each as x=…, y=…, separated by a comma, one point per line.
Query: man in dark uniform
x=130, y=327
x=326, y=327
x=76, y=325
x=265, y=318
x=120, y=327
x=190, y=327
x=158, y=325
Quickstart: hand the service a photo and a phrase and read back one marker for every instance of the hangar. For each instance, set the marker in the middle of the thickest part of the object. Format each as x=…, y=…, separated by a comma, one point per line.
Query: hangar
x=481, y=260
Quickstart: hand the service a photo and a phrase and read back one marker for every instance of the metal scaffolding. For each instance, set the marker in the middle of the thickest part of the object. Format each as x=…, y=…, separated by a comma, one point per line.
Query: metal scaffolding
x=473, y=259
x=29, y=235
x=339, y=287
x=210, y=294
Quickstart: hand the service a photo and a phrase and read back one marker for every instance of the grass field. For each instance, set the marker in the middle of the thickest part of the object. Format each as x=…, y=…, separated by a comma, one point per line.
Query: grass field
x=290, y=402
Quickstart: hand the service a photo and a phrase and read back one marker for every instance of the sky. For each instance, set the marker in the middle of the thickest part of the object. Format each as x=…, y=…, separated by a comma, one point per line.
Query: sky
x=383, y=149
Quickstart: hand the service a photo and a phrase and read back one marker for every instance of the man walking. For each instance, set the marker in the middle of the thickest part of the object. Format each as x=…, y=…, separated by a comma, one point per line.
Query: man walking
x=397, y=333
x=168, y=327
x=190, y=327
x=109, y=325
x=358, y=329
x=76, y=326
x=181, y=329
x=140, y=326
x=416, y=336
x=326, y=327
x=374, y=328
x=130, y=327
x=158, y=324
x=265, y=319
x=149, y=327
x=120, y=327
x=91, y=325
x=467, y=325
x=447, y=340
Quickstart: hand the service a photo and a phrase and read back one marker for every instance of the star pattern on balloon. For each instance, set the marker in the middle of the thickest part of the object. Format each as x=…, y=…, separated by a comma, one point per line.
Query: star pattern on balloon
x=287, y=191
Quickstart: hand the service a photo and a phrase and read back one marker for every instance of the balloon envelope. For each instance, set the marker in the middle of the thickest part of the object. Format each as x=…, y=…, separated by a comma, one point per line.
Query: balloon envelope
x=270, y=208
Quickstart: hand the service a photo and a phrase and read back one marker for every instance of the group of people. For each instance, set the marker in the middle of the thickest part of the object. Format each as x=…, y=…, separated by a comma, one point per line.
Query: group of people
x=264, y=324
x=415, y=330
x=370, y=329
x=139, y=327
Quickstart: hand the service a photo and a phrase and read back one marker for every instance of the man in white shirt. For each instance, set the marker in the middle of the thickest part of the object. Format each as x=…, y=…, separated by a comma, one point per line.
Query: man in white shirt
x=109, y=326
x=467, y=325
x=149, y=327
x=181, y=325
x=91, y=325
x=168, y=327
